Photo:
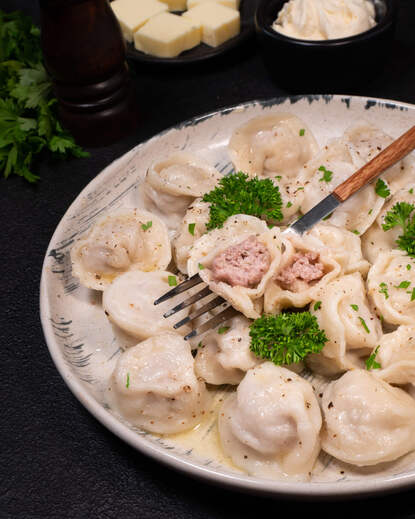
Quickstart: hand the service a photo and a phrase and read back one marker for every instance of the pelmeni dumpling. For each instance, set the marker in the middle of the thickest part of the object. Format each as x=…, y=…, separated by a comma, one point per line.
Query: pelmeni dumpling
x=351, y=328
x=237, y=261
x=192, y=228
x=391, y=284
x=366, y=420
x=128, y=239
x=272, y=145
x=396, y=356
x=154, y=385
x=271, y=426
x=375, y=239
x=305, y=267
x=343, y=245
x=128, y=303
x=224, y=355
x=339, y=159
x=171, y=185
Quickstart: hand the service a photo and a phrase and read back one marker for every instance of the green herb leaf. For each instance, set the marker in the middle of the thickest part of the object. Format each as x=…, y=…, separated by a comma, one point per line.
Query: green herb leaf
x=355, y=231
x=413, y=294
x=201, y=266
x=355, y=308
x=302, y=132
x=403, y=284
x=317, y=305
x=289, y=204
x=384, y=290
x=191, y=228
x=287, y=337
x=223, y=329
x=327, y=174
x=172, y=281
x=381, y=188
x=237, y=194
x=364, y=324
x=401, y=215
x=408, y=267
x=127, y=385
x=146, y=226
x=371, y=363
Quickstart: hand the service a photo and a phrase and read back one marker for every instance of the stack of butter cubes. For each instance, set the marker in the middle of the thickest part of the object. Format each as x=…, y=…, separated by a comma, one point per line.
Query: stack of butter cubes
x=157, y=31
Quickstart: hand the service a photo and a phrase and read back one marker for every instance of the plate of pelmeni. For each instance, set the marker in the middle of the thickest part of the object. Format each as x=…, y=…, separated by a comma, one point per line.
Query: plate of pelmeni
x=308, y=389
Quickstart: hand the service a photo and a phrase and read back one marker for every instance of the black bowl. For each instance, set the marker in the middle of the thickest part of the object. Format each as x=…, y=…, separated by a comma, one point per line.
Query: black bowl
x=328, y=66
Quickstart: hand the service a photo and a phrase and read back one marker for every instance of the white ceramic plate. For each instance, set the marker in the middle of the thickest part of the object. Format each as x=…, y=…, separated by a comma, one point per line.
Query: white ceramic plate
x=84, y=346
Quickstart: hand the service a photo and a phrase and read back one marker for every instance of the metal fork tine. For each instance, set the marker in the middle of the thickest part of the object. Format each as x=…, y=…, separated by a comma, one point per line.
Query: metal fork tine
x=196, y=297
x=212, y=323
x=205, y=308
x=189, y=283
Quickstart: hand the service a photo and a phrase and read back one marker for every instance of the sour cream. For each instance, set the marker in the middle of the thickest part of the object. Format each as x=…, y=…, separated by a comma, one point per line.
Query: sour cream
x=324, y=19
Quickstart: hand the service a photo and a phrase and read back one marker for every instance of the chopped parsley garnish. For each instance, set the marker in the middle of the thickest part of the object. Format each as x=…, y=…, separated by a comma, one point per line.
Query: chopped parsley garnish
x=403, y=284
x=201, y=266
x=401, y=215
x=172, y=281
x=289, y=204
x=287, y=337
x=355, y=231
x=408, y=267
x=317, y=305
x=381, y=188
x=355, y=308
x=302, y=132
x=411, y=191
x=328, y=216
x=371, y=363
x=146, y=226
x=200, y=345
x=370, y=211
x=384, y=290
x=191, y=228
x=238, y=194
x=127, y=385
x=364, y=324
x=327, y=174
x=278, y=177
x=223, y=329
x=413, y=294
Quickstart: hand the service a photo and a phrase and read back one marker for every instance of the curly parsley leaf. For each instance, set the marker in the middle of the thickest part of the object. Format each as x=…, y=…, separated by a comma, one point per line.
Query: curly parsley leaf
x=28, y=120
x=237, y=194
x=401, y=215
x=287, y=337
x=381, y=188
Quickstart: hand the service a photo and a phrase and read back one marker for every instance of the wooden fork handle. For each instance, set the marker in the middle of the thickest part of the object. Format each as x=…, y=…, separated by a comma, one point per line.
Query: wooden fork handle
x=386, y=158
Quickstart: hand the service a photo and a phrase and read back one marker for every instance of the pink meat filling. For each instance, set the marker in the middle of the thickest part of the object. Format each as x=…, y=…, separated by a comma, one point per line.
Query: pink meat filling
x=243, y=264
x=305, y=268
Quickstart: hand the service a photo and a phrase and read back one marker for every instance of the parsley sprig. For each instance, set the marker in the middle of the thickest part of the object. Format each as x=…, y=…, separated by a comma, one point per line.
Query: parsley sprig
x=237, y=194
x=401, y=215
x=287, y=337
x=28, y=122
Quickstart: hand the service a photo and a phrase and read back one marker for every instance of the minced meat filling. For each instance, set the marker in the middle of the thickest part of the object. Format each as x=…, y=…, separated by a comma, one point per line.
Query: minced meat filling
x=304, y=269
x=244, y=264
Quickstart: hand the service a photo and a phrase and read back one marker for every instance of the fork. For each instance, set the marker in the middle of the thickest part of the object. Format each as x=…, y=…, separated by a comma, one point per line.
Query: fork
x=386, y=158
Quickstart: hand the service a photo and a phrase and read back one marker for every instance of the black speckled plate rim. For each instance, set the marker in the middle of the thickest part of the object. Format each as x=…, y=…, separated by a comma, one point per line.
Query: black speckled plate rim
x=203, y=52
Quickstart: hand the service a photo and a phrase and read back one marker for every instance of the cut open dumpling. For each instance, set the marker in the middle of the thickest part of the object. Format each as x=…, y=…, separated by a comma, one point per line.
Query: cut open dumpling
x=271, y=426
x=154, y=386
x=237, y=261
x=128, y=239
x=305, y=267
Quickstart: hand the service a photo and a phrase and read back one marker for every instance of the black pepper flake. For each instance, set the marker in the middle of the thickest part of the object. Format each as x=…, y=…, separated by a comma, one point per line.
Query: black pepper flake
x=330, y=405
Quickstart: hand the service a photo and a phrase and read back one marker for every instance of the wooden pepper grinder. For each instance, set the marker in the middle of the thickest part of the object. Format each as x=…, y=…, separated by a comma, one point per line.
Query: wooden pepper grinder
x=84, y=53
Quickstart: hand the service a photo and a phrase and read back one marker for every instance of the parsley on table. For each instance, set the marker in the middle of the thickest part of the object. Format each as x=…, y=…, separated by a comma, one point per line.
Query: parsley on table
x=28, y=121
x=287, y=337
x=381, y=188
x=401, y=215
x=237, y=194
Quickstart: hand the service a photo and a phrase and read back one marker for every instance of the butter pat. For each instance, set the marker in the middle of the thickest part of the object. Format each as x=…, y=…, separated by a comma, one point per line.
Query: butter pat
x=166, y=35
x=233, y=4
x=219, y=23
x=132, y=14
x=175, y=5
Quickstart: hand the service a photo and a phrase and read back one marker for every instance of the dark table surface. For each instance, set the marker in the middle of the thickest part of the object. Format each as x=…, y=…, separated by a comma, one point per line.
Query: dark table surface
x=57, y=460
